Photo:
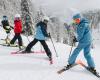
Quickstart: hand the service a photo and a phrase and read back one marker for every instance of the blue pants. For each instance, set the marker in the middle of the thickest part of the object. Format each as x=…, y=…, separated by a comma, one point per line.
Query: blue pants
x=87, y=54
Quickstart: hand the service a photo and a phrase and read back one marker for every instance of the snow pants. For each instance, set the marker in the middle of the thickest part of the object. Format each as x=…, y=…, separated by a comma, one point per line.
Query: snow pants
x=17, y=36
x=87, y=55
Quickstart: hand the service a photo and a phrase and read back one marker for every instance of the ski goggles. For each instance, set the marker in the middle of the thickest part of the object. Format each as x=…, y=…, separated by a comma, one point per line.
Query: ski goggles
x=76, y=20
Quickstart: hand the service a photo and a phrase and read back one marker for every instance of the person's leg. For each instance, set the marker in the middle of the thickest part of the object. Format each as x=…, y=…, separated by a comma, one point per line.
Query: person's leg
x=30, y=45
x=7, y=38
x=88, y=57
x=19, y=40
x=75, y=53
x=45, y=46
x=14, y=39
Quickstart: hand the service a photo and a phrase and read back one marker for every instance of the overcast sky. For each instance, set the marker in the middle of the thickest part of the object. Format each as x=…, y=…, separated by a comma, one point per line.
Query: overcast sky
x=61, y=7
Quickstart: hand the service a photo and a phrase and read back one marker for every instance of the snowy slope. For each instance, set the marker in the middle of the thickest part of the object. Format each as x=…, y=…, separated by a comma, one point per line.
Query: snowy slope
x=37, y=67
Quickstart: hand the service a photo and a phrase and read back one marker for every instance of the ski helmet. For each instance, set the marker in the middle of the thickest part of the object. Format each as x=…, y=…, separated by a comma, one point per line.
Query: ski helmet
x=17, y=16
x=46, y=18
x=5, y=17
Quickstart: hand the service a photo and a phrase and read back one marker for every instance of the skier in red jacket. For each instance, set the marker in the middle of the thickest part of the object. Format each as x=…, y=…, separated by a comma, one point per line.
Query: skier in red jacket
x=17, y=30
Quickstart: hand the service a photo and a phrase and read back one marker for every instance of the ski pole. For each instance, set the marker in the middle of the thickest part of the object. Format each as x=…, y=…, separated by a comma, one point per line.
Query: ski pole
x=53, y=45
x=40, y=47
x=71, y=50
x=27, y=38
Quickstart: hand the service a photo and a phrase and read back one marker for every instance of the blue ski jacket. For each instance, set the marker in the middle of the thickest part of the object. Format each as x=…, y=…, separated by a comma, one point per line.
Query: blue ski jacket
x=41, y=31
x=83, y=31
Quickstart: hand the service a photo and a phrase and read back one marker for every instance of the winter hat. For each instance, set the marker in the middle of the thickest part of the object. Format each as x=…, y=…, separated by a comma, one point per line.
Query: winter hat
x=76, y=16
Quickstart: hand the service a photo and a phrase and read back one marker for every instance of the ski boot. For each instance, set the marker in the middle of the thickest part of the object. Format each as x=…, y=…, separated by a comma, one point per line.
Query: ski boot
x=93, y=70
x=21, y=47
x=50, y=59
x=68, y=66
x=26, y=51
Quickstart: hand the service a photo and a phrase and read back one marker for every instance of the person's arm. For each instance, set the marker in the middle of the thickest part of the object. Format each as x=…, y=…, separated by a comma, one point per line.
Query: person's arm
x=44, y=31
x=3, y=25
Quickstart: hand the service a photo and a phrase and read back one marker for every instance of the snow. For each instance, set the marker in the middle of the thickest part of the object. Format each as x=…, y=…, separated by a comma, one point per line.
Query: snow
x=37, y=67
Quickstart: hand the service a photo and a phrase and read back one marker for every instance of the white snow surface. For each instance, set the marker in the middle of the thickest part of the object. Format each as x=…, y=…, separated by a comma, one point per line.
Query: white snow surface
x=37, y=67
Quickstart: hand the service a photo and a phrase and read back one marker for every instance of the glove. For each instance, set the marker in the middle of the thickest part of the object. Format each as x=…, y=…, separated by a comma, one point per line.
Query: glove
x=75, y=40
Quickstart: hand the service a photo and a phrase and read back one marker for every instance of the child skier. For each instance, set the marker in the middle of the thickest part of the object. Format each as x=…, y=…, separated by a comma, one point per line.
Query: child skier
x=84, y=39
x=17, y=30
x=41, y=34
x=7, y=28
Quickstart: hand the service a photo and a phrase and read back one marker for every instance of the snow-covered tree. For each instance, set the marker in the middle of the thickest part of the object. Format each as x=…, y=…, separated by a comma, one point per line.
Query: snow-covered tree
x=26, y=17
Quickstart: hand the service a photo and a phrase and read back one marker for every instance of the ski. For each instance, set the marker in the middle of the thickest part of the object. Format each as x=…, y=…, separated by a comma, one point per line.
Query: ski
x=87, y=68
x=65, y=68
x=4, y=39
x=9, y=45
x=20, y=52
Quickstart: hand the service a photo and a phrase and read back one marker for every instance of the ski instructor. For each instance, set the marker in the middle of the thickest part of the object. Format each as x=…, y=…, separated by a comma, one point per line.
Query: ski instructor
x=84, y=39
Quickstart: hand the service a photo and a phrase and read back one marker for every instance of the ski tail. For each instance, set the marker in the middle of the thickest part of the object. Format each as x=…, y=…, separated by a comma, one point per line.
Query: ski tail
x=87, y=68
